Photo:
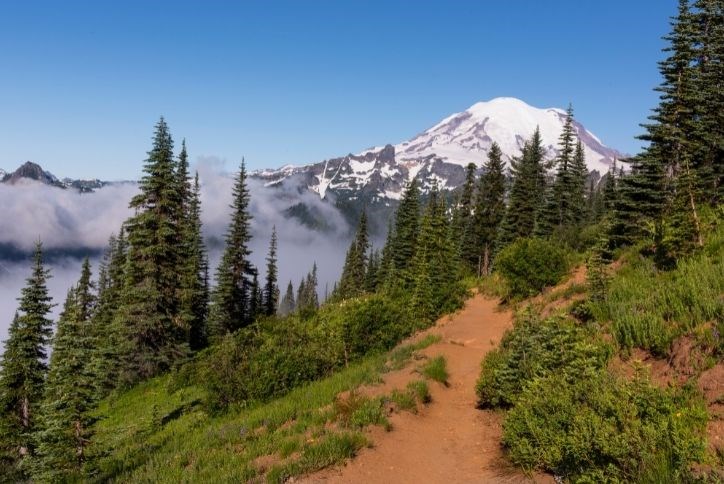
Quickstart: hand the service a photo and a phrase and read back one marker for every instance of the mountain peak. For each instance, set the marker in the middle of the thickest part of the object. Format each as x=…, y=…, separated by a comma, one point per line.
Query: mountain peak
x=31, y=171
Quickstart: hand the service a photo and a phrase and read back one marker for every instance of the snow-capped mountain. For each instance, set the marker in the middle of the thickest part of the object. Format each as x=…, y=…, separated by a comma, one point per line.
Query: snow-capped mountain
x=439, y=154
x=34, y=172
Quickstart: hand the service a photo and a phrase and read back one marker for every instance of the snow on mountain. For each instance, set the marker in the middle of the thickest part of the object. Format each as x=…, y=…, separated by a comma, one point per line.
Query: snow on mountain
x=466, y=137
x=439, y=154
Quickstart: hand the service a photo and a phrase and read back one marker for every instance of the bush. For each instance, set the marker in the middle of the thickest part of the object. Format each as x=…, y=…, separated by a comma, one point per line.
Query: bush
x=649, y=308
x=603, y=429
x=529, y=265
x=535, y=349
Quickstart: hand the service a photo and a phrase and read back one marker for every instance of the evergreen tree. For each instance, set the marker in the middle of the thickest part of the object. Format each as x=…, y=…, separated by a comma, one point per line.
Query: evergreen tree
x=596, y=273
x=106, y=354
x=256, y=300
x=559, y=205
x=373, y=271
x=352, y=282
x=70, y=388
x=231, y=298
x=577, y=195
x=307, y=299
x=23, y=370
x=463, y=222
x=404, y=241
x=434, y=261
x=287, y=304
x=527, y=193
x=707, y=162
x=155, y=337
x=194, y=287
x=489, y=209
x=271, y=291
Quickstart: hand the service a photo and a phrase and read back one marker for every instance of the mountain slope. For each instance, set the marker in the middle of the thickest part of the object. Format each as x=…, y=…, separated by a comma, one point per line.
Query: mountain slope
x=439, y=154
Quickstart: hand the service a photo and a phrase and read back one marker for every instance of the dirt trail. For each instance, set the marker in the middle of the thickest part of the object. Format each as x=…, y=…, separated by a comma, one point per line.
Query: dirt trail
x=449, y=440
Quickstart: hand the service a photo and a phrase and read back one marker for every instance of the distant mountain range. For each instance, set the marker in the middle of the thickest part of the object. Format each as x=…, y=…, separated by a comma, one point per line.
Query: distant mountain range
x=33, y=171
x=375, y=178
x=440, y=153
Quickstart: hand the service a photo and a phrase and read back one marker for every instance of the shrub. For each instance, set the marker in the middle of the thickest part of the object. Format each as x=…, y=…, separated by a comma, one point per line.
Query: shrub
x=649, y=308
x=529, y=265
x=534, y=349
x=603, y=429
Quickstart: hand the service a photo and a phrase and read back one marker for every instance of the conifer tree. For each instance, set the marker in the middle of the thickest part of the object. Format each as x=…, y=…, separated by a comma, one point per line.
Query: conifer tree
x=489, y=208
x=307, y=299
x=231, y=298
x=526, y=194
x=287, y=304
x=407, y=226
x=23, y=369
x=707, y=162
x=559, y=205
x=373, y=271
x=65, y=423
x=434, y=261
x=155, y=337
x=271, y=291
x=108, y=335
x=256, y=300
x=463, y=222
x=352, y=282
x=194, y=287
x=577, y=197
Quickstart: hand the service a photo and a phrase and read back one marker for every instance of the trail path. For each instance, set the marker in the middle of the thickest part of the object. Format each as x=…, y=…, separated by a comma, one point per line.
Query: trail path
x=449, y=441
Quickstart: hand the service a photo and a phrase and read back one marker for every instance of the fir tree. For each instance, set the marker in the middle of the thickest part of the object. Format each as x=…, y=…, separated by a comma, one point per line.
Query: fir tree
x=307, y=299
x=155, y=337
x=271, y=291
x=231, y=298
x=352, y=282
x=527, y=193
x=577, y=196
x=489, y=208
x=407, y=226
x=69, y=391
x=106, y=355
x=194, y=287
x=463, y=222
x=559, y=205
x=23, y=371
x=373, y=271
x=287, y=304
x=707, y=161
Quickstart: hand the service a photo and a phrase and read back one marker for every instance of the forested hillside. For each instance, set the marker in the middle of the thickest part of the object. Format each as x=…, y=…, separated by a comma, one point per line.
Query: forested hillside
x=161, y=368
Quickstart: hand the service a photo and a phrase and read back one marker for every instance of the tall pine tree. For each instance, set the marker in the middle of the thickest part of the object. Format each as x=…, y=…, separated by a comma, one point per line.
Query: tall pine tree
x=22, y=371
x=155, y=334
x=231, y=298
x=271, y=291
x=70, y=388
x=489, y=208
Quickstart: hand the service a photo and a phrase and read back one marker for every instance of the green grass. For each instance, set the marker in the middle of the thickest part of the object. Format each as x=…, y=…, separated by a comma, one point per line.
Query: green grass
x=156, y=432
x=416, y=392
x=648, y=308
x=436, y=369
x=402, y=354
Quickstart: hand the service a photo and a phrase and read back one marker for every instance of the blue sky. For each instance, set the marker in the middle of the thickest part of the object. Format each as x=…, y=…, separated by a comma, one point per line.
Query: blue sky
x=82, y=83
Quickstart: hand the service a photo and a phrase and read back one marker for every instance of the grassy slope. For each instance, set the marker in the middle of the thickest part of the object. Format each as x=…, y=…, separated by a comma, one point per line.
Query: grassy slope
x=154, y=433
x=644, y=308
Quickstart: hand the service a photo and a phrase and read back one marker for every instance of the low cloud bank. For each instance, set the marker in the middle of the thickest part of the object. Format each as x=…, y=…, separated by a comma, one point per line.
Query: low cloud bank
x=67, y=220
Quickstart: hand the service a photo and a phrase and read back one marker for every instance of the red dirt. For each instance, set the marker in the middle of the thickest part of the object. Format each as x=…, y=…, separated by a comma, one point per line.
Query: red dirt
x=449, y=440
x=711, y=384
